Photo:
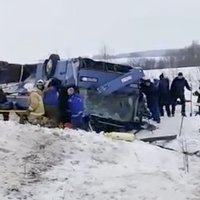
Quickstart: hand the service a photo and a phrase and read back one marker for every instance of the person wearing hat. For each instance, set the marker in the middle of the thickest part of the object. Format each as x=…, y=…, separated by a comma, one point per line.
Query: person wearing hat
x=40, y=85
x=178, y=92
x=26, y=89
x=35, y=108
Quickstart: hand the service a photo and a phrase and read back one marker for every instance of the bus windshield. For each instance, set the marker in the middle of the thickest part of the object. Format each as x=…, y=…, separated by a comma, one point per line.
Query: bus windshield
x=116, y=107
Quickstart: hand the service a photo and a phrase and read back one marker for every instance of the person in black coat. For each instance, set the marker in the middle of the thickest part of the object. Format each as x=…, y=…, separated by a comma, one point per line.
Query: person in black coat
x=164, y=95
x=63, y=106
x=178, y=92
x=3, y=97
x=151, y=92
x=3, y=100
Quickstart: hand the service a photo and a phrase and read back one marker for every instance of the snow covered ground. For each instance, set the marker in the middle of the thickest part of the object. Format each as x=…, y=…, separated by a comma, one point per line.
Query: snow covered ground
x=52, y=164
x=39, y=163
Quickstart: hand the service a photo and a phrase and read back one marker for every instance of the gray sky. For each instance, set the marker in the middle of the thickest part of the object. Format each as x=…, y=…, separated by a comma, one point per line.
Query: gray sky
x=32, y=29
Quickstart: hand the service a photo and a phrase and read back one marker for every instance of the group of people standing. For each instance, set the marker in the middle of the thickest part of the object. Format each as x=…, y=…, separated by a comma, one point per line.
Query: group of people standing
x=161, y=95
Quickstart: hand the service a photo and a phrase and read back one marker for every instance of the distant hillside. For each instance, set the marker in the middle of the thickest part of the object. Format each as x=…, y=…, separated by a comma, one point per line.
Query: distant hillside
x=157, y=59
x=150, y=53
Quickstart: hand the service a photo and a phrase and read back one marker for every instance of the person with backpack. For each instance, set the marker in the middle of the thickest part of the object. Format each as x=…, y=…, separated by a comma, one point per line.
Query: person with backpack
x=178, y=92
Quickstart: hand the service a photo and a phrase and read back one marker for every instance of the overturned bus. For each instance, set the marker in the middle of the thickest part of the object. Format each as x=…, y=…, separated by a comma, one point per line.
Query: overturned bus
x=112, y=97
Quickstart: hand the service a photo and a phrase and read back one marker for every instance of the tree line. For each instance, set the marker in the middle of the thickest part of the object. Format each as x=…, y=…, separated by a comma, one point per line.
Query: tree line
x=188, y=56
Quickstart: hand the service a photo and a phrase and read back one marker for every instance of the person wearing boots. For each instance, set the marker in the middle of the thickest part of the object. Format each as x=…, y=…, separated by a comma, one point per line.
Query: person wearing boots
x=178, y=92
x=164, y=95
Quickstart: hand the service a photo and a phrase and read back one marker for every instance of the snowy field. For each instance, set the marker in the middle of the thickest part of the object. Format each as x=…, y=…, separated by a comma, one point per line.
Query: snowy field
x=43, y=164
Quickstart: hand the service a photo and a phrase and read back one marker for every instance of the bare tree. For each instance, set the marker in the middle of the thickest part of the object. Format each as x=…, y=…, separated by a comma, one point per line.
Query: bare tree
x=132, y=62
x=105, y=53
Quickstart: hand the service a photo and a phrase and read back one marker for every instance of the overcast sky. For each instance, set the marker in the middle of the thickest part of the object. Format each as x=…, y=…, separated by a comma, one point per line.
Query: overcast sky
x=32, y=29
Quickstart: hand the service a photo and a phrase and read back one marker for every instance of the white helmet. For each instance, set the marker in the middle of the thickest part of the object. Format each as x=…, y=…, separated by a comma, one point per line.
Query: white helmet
x=40, y=82
x=70, y=91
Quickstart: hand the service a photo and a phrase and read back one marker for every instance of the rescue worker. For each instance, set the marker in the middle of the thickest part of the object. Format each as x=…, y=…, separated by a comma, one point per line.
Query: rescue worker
x=197, y=93
x=35, y=109
x=75, y=103
x=26, y=91
x=177, y=92
x=50, y=99
x=40, y=85
x=164, y=95
x=151, y=92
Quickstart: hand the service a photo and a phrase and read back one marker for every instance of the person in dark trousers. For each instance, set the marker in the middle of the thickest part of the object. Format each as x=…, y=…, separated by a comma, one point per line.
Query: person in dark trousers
x=197, y=93
x=63, y=106
x=151, y=92
x=75, y=103
x=164, y=95
x=177, y=92
x=50, y=99
x=3, y=100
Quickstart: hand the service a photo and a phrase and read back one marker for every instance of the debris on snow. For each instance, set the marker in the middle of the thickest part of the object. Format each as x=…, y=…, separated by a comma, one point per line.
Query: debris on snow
x=40, y=163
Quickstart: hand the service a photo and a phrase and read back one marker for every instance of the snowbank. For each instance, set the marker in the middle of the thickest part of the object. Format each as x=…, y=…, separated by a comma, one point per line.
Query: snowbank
x=38, y=163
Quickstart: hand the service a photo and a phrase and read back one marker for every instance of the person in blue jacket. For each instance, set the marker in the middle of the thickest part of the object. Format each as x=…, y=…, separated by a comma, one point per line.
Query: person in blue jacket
x=151, y=92
x=76, y=106
x=50, y=100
